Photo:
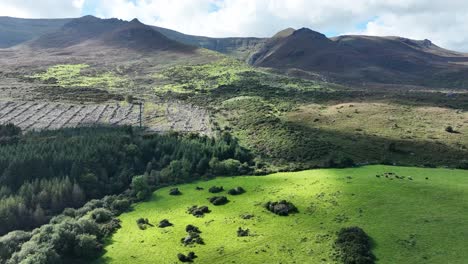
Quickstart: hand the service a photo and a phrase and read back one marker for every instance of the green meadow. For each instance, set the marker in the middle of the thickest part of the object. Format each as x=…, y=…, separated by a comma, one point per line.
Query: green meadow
x=418, y=217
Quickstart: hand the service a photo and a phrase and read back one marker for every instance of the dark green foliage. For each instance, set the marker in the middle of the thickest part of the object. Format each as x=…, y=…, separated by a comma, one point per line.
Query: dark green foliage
x=218, y=200
x=46, y=172
x=9, y=134
x=198, y=211
x=9, y=130
x=216, y=189
x=164, y=223
x=189, y=258
x=12, y=242
x=354, y=246
x=193, y=236
x=87, y=246
x=69, y=237
x=101, y=215
x=120, y=206
x=143, y=223
x=141, y=187
x=236, y=191
x=243, y=232
x=281, y=208
x=175, y=191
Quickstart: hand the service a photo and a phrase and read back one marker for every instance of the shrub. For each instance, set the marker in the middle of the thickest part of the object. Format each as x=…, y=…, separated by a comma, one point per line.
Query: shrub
x=120, y=206
x=216, y=189
x=236, y=191
x=354, y=246
x=87, y=246
x=218, y=200
x=281, y=208
x=141, y=187
x=101, y=215
x=227, y=167
x=11, y=243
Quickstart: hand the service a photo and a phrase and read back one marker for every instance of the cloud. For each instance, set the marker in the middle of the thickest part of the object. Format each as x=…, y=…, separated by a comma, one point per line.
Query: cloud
x=41, y=9
x=442, y=21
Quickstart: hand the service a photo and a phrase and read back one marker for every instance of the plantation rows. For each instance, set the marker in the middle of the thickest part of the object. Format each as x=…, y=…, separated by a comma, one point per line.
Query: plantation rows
x=171, y=116
x=44, y=115
x=182, y=117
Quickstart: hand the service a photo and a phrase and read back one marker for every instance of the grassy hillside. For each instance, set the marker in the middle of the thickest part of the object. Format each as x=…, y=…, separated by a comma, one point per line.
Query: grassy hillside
x=416, y=219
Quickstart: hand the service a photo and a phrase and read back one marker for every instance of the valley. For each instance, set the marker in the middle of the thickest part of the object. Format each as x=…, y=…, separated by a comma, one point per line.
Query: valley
x=109, y=127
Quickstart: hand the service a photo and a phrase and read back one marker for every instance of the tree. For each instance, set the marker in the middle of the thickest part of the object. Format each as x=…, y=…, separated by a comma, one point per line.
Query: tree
x=9, y=130
x=39, y=215
x=101, y=215
x=141, y=187
x=225, y=167
x=78, y=196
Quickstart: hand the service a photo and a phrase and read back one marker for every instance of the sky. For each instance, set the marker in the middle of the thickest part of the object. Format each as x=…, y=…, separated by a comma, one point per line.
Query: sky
x=445, y=22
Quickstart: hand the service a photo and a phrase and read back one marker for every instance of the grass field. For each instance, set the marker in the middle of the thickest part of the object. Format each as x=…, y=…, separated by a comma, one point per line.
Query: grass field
x=411, y=220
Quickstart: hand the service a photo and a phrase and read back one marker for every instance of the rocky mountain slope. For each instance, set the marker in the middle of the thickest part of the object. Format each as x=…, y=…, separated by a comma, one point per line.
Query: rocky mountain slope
x=362, y=59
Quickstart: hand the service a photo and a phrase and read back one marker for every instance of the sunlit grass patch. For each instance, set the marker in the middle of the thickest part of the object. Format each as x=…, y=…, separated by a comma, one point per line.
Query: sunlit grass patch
x=413, y=218
x=80, y=75
x=225, y=72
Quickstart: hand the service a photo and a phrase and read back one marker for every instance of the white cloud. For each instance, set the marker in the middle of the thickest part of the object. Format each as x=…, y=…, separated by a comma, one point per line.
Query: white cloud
x=442, y=21
x=41, y=8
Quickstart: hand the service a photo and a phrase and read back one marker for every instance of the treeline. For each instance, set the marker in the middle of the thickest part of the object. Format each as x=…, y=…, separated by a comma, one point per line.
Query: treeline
x=41, y=173
x=75, y=236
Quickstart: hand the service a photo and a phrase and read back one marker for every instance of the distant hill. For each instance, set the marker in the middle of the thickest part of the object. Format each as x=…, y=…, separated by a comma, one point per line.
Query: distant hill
x=93, y=31
x=14, y=31
x=364, y=58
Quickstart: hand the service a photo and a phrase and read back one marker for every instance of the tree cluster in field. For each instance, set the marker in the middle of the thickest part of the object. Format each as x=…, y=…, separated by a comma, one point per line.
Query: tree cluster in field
x=42, y=173
x=76, y=235
x=353, y=246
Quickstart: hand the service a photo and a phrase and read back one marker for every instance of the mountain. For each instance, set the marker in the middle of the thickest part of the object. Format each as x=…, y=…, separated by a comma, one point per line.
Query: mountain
x=92, y=31
x=364, y=58
x=14, y=31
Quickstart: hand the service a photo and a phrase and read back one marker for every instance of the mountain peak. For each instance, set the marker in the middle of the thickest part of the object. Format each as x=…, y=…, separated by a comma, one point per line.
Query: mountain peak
x=284, y=33
x=135, y=21
x=308, y=32
x=87, y=18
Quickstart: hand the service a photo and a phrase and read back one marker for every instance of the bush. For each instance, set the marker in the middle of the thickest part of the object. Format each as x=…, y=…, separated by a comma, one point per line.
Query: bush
x=141, y=187
x=218, y=200
x=11, y=243
x=87, y=246
x=101, y=215
x=236, y=191
x=354, y=246
x=227, y=167
x=120, y=206
x=281, y=208
x=215, y=189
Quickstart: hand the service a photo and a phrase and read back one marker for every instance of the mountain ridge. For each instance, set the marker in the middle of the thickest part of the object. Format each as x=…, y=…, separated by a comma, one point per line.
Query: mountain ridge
x=356, y=58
